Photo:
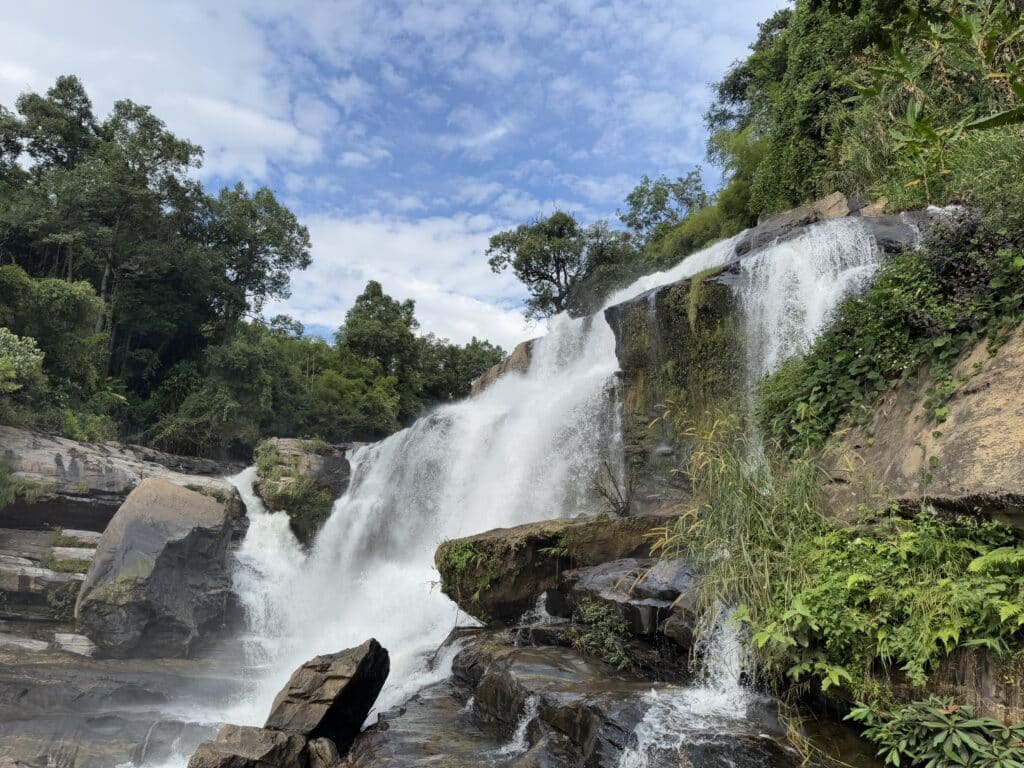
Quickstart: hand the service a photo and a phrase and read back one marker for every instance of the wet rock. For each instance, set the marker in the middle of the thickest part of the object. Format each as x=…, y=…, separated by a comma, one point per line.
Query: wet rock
x=498, y=575
x=611, y=584
x=330, y=696
x=518, y=361
x=434, y=729
x=83, y=484
x=643, y=592
x=238, y=746
x=772, y=228
x=301, y=478
x=159, y=583
x=585, y=707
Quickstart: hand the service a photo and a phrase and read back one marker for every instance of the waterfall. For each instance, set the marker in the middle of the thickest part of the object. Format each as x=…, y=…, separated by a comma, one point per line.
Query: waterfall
x=525, y=449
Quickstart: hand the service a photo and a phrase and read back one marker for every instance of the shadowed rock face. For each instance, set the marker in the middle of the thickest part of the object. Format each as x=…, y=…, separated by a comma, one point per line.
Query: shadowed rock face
x=159, y=581
x=330, y=696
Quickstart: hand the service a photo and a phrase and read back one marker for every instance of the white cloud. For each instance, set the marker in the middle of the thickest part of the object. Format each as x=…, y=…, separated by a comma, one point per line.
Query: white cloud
x=350, y=92
x=437, y=261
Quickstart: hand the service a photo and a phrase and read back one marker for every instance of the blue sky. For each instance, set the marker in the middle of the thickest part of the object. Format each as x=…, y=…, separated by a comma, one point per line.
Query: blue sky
x=404, y=134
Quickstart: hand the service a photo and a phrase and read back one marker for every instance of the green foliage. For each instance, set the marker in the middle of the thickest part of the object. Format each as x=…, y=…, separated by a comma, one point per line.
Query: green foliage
x=655, y=206
x=564, y=265
x=925, y=308
x=21, y=362
x=759, y=511
x=143, y=293
x=899, y=593
x=62, y=539
x=464, y=567
x=65, y=564
x=62, y=601
x=940, y=734
x=12, y=487
x=602, y=632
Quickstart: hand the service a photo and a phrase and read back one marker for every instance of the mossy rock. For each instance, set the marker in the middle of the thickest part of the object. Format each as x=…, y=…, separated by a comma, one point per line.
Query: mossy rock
x=496, y=576
x=301, y=478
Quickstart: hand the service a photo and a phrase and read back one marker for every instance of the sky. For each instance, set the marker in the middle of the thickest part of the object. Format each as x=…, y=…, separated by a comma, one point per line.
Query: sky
x=405, y=134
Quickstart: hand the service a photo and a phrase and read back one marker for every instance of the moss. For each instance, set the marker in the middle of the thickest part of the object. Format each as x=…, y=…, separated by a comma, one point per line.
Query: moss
x=65, y=564
x=282, y=487
x=62, y=601
x=61, y=539
x=465, y=568
x=601, y=632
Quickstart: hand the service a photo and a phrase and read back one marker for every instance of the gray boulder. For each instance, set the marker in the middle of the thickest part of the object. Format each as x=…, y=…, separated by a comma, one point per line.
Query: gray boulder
x=330, y=696
x=159, y=582
x=238, y=746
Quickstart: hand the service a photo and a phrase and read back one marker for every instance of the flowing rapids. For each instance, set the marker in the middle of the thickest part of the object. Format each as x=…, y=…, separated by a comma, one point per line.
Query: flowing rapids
x=525, y=449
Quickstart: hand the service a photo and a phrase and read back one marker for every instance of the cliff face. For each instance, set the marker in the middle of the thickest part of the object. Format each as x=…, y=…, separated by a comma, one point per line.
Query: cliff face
x=972, y=462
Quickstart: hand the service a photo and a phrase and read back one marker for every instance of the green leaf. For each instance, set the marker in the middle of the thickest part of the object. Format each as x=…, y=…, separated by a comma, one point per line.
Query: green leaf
x=1006, y=117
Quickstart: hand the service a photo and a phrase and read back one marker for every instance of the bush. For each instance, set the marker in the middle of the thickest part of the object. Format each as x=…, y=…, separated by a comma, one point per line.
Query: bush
x=940, y=734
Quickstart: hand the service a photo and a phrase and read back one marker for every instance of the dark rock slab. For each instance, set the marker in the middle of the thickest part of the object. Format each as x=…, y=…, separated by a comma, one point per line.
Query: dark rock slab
x=330, y=696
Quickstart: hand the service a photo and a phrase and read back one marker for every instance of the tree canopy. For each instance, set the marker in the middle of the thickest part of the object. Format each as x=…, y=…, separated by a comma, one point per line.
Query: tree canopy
x=141, y=297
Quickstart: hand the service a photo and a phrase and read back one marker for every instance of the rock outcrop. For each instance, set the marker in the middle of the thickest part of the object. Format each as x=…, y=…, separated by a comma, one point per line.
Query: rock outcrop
x=301, y=478
x=313, y=720
x=330, y=696
x=646, y=594
x=498, y=575
x=518, y=361
x=83, y=484
x=159, y=582
x=972, y=461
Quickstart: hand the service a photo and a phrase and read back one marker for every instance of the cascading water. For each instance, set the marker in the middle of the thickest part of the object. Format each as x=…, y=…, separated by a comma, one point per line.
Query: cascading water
x=525, y=449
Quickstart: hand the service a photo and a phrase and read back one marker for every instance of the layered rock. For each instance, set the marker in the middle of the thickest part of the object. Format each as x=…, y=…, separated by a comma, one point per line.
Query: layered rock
x=498, y=575
x=972, y=461
x=83, y=484
x=301, y=478
x=647, y=595
x=159, y=583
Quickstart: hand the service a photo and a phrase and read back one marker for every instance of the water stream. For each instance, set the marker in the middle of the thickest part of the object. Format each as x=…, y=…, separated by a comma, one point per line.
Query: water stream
x=524, y=450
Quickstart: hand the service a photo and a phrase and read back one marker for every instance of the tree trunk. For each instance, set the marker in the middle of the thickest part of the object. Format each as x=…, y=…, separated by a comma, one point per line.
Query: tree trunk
x=104, y=287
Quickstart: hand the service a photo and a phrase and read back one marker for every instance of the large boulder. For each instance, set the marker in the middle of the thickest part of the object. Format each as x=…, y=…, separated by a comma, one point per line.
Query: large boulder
x=518, y=361
x=83, y=484
x=972, y=461
x=332, y=695
x=498, y=575
x=301, y=478
x=239, y=746
x=159, y=582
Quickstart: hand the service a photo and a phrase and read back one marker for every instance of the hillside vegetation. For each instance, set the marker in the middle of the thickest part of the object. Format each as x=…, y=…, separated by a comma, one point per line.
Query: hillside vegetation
x=131, y=299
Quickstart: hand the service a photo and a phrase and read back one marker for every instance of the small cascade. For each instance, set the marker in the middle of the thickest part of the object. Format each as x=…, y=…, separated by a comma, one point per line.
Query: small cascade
x=518, y=744
x=719, y=703
x=788, y=291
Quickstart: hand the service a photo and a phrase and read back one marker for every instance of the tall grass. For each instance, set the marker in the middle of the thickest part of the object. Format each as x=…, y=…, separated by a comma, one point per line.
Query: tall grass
x=750, y=513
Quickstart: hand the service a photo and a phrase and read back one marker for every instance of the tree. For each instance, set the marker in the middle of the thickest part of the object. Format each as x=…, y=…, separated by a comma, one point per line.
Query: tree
x=58, y=129
x=261, y=241
x=20, y=362
x=655, y=206
x=548, y=256
x=565, y=266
